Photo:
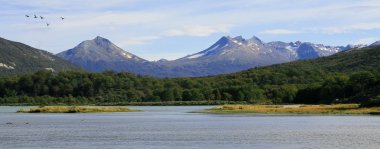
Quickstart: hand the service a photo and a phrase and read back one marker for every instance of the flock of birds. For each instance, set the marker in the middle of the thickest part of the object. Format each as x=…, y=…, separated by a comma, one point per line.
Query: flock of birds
x=42, y=18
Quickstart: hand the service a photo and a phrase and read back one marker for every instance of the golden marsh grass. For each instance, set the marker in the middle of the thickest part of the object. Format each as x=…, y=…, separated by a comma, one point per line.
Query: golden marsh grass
x=295, y=109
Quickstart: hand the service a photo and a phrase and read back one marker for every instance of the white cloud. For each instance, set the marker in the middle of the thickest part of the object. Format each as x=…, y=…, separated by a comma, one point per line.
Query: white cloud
x=196, y=30
x=137, y=40
x=351, y=28
x=280, y=32
x=199, y=30
x=368, y=40
x=325, y=30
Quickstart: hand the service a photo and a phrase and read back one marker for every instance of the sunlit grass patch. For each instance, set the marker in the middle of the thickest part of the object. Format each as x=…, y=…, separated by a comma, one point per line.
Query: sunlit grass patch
x=296, y=109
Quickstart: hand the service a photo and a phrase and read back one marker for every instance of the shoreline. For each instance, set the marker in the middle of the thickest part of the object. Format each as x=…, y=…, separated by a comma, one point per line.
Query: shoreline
x=338, y=109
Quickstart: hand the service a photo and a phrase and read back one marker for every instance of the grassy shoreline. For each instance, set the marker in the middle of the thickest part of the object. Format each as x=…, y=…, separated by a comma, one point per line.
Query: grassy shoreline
x=338, y=109
x=74, y=109
x=164, y=103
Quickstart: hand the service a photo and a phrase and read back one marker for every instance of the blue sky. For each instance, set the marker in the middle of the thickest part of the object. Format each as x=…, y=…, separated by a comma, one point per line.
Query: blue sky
x=170, y=29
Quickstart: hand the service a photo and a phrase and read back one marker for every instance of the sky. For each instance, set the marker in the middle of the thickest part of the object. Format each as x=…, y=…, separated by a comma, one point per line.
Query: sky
x=170, y=29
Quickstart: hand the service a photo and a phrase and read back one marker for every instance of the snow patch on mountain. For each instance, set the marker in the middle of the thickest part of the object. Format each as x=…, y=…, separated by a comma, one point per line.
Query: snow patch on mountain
x=127, y=55
x=195, y=56
x=237, y=42
x=213, y=48
x=6, y=66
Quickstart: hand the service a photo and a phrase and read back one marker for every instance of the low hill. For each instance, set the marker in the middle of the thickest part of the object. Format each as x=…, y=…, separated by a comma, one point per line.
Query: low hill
x=18, y=58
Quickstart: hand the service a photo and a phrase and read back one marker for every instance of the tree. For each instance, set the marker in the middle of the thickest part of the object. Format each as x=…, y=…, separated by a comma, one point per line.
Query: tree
x=361, y=80
x=226, y=96
x=167, y=95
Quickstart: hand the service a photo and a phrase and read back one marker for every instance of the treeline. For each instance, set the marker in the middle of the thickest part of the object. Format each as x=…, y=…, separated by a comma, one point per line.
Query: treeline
x=109, y=87
x=45, y=87
x=358, y=87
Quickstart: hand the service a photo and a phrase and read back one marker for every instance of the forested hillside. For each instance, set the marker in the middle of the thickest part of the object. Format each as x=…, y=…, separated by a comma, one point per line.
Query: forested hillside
x=351, y=76
x=18, y=58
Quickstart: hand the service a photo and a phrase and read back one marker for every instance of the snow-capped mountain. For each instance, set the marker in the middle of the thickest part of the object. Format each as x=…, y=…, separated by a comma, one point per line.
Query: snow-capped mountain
x=235, y=47
x=227, y=55
x=304, y=50
x=230, y=48
x=235, y=54
x=100, y=54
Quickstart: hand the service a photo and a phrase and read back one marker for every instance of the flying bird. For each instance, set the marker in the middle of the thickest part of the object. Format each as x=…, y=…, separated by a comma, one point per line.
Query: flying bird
x=41, y=17
x=35, y=16
x=27, y=16
x=47, y=24
x=62, y=18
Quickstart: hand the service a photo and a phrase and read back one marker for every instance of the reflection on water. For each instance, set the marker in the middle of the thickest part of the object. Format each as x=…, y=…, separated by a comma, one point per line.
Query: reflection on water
x=174, y=127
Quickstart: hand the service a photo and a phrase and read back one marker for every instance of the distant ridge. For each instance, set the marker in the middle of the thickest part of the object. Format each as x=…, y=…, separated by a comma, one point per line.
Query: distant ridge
x=377, y=43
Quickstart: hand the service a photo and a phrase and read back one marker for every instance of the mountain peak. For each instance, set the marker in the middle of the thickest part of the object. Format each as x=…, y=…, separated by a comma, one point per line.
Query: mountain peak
x=255, y=39
x=232, y=38
x=238, y=38
x=223, y=40
x=102, y=41
x=99, y=37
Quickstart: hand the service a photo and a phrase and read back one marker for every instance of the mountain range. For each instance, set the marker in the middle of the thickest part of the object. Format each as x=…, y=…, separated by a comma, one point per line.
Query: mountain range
x=227, y=55
x=18, y=58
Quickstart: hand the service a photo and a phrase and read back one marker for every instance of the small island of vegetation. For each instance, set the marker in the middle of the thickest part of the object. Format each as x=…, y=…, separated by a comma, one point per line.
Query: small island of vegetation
x=295, y=109
x=74, y=109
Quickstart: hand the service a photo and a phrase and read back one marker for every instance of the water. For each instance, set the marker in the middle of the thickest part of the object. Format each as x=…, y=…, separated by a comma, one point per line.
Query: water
x=173, y=127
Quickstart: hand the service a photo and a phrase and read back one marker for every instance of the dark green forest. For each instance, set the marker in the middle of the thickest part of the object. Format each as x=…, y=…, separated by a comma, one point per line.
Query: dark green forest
x=346, y=77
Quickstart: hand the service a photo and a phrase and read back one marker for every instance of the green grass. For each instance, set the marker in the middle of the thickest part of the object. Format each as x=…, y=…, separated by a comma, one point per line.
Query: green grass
x=352, y=109
x=74, y=109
